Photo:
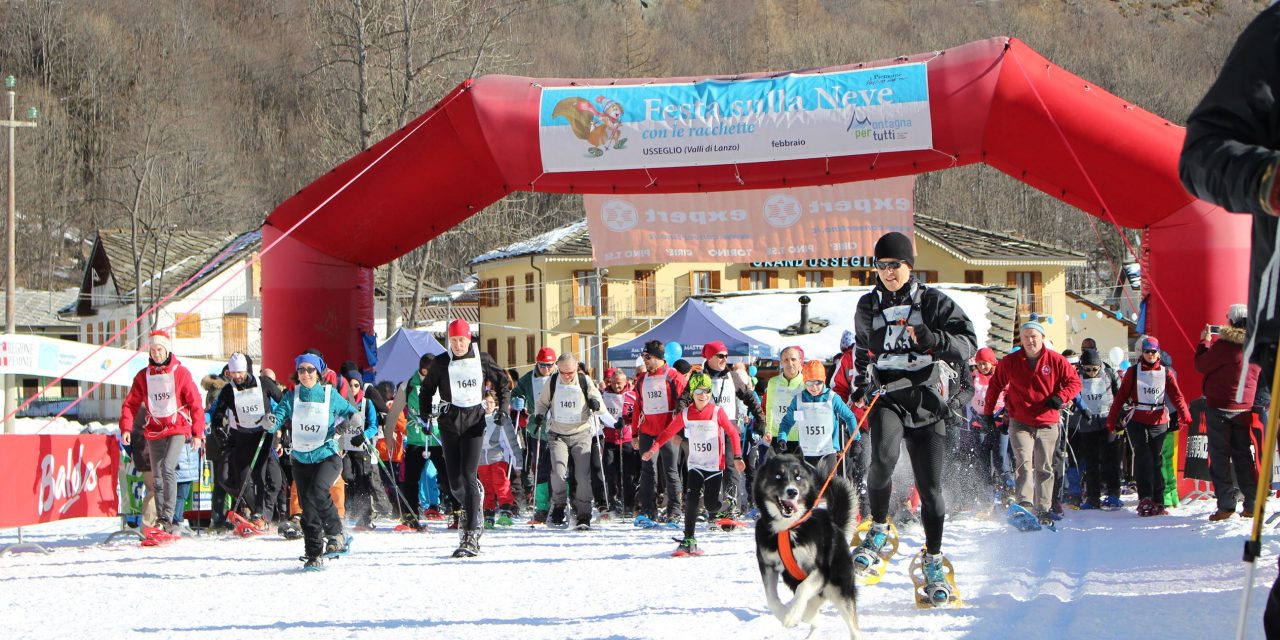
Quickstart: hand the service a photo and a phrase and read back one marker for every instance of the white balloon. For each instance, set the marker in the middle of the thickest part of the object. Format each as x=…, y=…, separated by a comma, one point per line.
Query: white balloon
x=1116, y=356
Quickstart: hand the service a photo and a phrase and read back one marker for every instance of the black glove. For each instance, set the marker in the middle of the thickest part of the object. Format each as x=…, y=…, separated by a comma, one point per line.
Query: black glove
x=925, y=339
x=538, y=421
x=990, y=422
x=1053, y=402
x=357, y=440
x=593, y=404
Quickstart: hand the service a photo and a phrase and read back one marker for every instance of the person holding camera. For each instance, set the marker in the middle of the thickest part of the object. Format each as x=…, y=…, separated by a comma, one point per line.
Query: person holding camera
x=1228, y=422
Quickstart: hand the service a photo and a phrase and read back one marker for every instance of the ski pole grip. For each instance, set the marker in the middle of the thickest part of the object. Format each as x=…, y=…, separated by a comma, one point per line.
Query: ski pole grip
x=1252, y=550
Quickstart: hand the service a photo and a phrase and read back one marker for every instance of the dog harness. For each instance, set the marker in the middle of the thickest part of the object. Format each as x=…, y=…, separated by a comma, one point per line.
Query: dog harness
x=788, y=557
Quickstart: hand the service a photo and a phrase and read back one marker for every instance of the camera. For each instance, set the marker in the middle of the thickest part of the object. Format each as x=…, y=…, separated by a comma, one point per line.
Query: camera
x=1215, y=329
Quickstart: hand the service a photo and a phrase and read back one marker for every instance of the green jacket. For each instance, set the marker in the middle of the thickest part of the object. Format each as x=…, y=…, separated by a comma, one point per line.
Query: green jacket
x=527, y=390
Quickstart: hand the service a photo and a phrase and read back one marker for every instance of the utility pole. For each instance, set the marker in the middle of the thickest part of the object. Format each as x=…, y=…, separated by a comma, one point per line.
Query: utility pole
x=10, y=321
x=599, y=363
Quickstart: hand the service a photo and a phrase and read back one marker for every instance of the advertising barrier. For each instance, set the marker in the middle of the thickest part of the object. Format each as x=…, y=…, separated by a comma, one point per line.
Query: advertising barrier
x=829, y=224
x=56, y=477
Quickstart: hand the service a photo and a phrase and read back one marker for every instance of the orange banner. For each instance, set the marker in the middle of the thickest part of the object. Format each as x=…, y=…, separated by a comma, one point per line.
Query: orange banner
x=835, y=221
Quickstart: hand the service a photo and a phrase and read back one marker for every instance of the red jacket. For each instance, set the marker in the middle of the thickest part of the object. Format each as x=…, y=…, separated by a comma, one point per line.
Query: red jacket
x=189, y=419
x=842, y=378
x=622, y=433
x=1025, y=390
x=1219, y=363
x=654, y=424
x=1128, y=393
x=677, y=423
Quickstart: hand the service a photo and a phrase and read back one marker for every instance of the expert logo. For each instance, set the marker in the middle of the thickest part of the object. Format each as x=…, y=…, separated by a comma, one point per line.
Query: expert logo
x=782, y=211
x=619, y=215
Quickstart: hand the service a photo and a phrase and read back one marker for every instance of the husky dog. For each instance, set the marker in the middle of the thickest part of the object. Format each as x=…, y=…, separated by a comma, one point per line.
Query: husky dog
x=786, y=489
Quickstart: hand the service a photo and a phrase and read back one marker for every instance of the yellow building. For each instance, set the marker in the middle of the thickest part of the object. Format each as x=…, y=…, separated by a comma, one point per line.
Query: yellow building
x=542, y=291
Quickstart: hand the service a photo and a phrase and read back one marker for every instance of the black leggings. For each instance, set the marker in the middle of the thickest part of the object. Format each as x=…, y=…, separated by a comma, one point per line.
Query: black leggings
x=704, y=484
x=461, y=464
x=1148, y=456
x=319, y=515
x=1098, y=454
x=412, y=474
x=928, y=451
x=260, y=485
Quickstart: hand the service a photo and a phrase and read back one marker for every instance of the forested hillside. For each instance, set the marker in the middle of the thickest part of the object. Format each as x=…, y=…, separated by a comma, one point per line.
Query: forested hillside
x=208, y=113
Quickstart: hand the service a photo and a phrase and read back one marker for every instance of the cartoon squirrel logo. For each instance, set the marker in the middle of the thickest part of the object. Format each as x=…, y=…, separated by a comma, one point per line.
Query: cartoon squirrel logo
x=601, y=128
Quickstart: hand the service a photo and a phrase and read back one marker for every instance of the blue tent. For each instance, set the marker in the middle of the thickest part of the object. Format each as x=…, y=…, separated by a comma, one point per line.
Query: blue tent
x=398, y=357
x=693, y=325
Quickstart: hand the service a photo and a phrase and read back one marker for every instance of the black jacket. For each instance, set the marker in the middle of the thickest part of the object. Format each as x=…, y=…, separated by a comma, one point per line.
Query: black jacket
x=1233, y=140
x=455, y=419
x=957, y=342
x=227, y=399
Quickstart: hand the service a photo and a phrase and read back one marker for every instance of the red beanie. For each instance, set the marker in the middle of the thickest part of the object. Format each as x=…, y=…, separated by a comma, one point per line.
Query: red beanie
x=547, y=355
x=459, y=329
x=711, y=348
x=985, y=354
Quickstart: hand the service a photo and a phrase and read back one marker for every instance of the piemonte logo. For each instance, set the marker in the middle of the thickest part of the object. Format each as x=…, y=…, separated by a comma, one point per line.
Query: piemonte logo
x=782, y=211
x=618, y=215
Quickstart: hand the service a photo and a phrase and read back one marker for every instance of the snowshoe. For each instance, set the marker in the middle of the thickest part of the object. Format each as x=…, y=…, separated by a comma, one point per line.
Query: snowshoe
x=594, y=152
x=468, y=545
x=410, y=522
x=504, y=519
x=872, y=551
x=1112, y=503
x=337, y=546
x=645, y=522
x=157, y=537
x=934, y=580
x=290, y=529
x=727, y=523
x=433, y=514
x=454, y=519
x=1090, y=505
x=1022, y=518
x=364, y=526
x=488, y=519
x=688, y=547
x=243, y=526
x=557, y=517
x=1146, y=508
x=582, y=526
x=539, y=517
x=620, y=144
x=314, y=563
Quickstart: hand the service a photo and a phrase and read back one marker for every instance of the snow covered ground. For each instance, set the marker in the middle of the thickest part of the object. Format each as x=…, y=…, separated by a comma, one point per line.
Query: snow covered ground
x=1103, y=575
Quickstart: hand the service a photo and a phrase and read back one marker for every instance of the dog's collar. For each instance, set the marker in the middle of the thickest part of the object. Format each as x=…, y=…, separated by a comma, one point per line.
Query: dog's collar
x=788, y=557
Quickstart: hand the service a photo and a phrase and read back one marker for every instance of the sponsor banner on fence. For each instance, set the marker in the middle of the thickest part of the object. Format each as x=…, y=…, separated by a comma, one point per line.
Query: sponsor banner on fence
x=51, y=357
x=768, y=225
x=712, y=122
x=49, y=478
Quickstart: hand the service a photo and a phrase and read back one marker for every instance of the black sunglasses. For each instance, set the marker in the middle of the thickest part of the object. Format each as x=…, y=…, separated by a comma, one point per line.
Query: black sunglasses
x=1151, y=351
x=306, y=369
x=888, y=264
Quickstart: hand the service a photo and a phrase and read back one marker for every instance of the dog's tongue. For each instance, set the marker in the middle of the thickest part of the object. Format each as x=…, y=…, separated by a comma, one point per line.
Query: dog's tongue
x=788, y=507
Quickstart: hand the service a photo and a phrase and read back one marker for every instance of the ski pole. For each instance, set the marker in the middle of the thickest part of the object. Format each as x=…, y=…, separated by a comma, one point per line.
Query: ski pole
x=599, y=447
x=1253, y=546
x=404, y=502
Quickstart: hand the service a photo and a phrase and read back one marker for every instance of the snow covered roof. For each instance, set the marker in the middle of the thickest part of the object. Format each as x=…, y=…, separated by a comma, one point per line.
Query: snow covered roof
x=571, y=239
x=34, y=308
x=981, y=247
x=764, y=314
x=186, y=254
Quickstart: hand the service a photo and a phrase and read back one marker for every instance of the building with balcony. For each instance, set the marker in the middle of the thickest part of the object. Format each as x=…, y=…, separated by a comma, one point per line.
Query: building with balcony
x=546, y=291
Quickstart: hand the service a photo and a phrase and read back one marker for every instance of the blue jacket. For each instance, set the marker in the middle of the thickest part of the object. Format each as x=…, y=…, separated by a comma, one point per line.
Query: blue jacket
x=840, y=412
x=338, y=408
x=371, y=427
x=188, y=464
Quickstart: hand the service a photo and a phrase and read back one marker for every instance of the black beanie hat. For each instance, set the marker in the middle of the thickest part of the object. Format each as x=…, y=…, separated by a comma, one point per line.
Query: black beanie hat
x=1091, y=357
x=655, y=349
x=349, y=369
x=895, y=246
x=425, y=361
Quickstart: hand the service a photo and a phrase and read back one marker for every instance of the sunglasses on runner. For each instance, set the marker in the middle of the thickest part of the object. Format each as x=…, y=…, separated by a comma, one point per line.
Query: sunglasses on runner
x=888, y=265
x=701, y=391
x=813, y=383
x=1151, y=351
x=306, y=369
x=720, y=356
x=546, y=365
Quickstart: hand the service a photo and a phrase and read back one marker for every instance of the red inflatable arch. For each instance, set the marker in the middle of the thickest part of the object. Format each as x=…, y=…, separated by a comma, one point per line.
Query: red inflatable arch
x=995, y=101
